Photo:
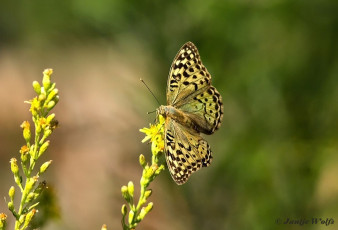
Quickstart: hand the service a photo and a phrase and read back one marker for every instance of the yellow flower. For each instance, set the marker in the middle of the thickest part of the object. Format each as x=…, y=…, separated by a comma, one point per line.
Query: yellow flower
x=35, y=106
x=155, y=134
x=26, y=130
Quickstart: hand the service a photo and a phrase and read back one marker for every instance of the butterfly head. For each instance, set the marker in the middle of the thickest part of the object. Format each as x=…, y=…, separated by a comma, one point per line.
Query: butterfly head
x=160, y=110
x=163, y=110
x=168, y=111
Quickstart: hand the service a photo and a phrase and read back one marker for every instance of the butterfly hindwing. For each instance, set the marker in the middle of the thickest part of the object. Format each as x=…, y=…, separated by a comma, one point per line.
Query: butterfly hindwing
x=205, y=109
x=186, y=151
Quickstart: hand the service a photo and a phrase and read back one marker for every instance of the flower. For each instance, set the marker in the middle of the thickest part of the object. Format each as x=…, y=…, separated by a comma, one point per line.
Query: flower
x=155, y=134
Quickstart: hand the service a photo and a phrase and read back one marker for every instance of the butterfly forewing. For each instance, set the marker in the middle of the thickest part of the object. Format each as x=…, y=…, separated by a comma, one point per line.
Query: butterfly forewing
x=194, y=107
x=187, y=74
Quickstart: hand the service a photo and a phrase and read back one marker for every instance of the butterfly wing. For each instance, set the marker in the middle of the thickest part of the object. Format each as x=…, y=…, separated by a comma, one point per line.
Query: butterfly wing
x=189, y=89
x=204, y=109
x=186, y=151
x=187, y=75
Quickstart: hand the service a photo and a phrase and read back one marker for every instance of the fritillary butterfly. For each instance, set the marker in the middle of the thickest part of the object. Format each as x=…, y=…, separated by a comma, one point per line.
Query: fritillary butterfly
x=194, y=106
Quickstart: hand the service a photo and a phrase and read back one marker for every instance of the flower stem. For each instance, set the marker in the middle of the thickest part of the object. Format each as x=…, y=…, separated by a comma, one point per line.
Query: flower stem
x=46, y=99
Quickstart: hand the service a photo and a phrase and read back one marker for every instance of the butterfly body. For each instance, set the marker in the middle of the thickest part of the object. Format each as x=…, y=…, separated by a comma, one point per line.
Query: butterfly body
x=194, y=107
x=177, y=115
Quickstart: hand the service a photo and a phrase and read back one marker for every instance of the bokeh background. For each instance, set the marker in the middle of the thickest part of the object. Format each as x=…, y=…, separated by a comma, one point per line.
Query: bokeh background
x=274, y=62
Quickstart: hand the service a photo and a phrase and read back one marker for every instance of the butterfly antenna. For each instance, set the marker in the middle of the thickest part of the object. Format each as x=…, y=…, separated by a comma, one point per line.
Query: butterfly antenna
x=150, y=92
x=151, y=112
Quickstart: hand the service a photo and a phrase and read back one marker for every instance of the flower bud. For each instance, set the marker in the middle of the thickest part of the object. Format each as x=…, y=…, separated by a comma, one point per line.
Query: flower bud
x=44, y=166
x=47, y=133
x=43, y=148
x=24, y=149
x=14, y=166
x=50, y=118
x=37, y=87
x=48, y=72
x=51, y=105
x=46, y=79
x=35, y=106
x=18, y=180
x=52, y=94
x=145, y=210
x=150, y=171
x=11, y=206
x=42, y=96
x=159, y=169
x=22, y=219
x=131, y=216
x=56, y=99
x=149, y=207
x=42, y=122
x=3, y=218
x=29, y=217
x=154, y=167
x=124, y=210
x=142, y=160
x=104, y=227
x=24, y=159
x=31, y=151
x=144, y=181
x=142, y=214
x=24, y=153
x=131, y=189
x=125, y=194
x=38, y=128
x=31, y=182
x=29, y=197
x=26, y=131
x=11, y=193
x=147, y=193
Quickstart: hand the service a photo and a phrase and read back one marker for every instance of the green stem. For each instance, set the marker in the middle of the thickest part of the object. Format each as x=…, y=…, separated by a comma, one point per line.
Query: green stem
x=142, y=198
x=23, y=199
x=139, y=204
x=29, y=171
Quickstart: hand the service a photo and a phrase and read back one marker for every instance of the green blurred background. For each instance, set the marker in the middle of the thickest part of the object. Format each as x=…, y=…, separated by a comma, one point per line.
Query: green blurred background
x=274, y=62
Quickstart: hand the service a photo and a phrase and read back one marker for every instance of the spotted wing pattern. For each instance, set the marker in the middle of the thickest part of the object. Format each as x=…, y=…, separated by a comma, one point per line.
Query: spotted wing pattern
x=205, y=109
x=187, y=75
x=189, y=90
x=186, y=151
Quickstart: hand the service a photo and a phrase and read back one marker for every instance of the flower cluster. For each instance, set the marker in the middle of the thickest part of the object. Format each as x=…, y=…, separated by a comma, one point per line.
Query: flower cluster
x=155, y=134
x=137, y=212
x=3, y=218
x=44, y=124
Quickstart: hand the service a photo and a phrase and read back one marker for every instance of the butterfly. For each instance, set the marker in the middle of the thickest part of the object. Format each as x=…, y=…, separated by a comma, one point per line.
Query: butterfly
x=193, y=107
